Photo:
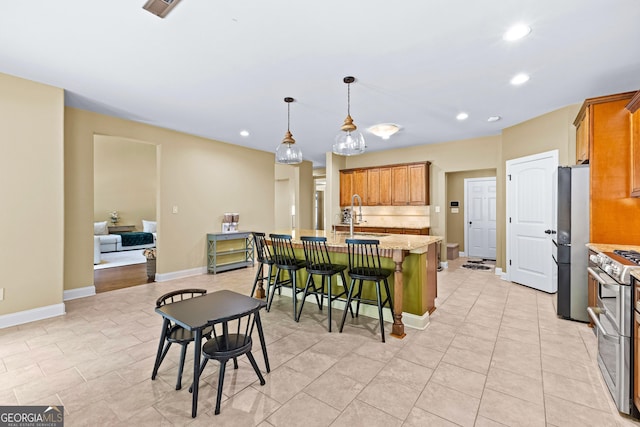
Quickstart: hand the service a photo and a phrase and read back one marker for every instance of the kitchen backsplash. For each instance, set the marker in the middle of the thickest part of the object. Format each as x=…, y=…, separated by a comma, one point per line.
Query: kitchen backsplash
x=394, y=216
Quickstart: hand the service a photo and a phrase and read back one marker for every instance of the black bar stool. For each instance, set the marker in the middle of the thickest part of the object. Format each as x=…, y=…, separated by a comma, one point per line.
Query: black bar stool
x=319, y=263
x=364, y=265
x=264, y=258
x=285, y=260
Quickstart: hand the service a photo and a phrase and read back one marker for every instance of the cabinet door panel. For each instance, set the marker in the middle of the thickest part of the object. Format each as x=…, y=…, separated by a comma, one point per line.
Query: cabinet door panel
x=399, y=185
x=582, y=140
x=417, y=184
x=346, y=187
x=635, y=154
x=385, y=186
x=373, y=187
x=359, y=185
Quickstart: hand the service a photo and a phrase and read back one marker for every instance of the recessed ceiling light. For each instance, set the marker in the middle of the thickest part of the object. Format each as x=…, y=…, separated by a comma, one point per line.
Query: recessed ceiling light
x=519, y=79
x=244, y=133
x=384, y=130
x=462, y=116
x=493, y=118
x=516, y=32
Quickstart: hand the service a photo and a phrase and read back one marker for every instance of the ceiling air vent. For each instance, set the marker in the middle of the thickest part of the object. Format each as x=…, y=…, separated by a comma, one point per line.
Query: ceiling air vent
x=160, y=8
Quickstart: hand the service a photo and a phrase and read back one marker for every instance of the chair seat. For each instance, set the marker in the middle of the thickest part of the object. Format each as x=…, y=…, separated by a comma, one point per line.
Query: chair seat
x=326, y=269
x=368, y=273
x=178, y=334
x=290, y=263
x=224, y=348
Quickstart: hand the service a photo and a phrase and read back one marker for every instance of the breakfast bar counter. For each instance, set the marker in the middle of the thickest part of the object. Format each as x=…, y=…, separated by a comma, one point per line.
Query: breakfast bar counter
x=413, y=259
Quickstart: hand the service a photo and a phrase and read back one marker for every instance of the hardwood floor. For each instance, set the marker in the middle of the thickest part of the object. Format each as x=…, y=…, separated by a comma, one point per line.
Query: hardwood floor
x=110, y=279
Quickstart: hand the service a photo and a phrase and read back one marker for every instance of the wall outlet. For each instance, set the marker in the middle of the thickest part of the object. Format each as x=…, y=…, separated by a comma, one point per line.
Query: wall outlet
x=437, y=209
x=1, y=294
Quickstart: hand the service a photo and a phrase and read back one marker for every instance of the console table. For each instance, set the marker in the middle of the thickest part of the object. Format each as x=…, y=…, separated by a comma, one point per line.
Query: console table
x=121, y=228
x=227, y=251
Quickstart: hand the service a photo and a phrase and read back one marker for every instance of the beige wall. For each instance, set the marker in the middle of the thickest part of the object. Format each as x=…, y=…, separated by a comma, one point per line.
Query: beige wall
x=32, y=194
x=124, y=180
x=455, y=191
x=203, y=178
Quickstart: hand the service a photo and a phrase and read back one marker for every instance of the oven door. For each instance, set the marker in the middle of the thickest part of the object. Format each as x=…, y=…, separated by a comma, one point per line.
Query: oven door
x=613, y=358
x=613, y=300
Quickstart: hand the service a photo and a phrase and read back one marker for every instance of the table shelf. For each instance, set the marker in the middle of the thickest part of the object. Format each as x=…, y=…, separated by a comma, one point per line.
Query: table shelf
x=228, y=251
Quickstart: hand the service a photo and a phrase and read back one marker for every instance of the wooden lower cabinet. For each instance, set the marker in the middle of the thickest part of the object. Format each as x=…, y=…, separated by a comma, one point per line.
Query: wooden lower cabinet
x=389, y=230
x=636, y=360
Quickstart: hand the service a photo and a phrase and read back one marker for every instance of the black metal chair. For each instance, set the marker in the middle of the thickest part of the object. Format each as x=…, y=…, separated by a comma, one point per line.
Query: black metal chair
x=285, y=260
x=319, y=264
x=176, y=334
x=264, y=256
x=364, y=266
x=231, y=339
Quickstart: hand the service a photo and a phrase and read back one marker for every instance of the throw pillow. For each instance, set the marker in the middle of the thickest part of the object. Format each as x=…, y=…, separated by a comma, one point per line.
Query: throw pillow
x=149, y=226
x=100, y=228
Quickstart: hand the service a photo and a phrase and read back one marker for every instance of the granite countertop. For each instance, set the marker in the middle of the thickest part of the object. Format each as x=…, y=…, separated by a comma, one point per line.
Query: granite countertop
x=608, y=247
x=410, y=242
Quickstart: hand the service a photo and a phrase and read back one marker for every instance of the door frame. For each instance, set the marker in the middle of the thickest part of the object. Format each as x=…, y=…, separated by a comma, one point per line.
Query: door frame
x=509, y=202
x=466, y=209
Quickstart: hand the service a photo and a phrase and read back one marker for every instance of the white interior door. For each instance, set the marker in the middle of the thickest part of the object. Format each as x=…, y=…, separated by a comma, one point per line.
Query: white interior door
x=480, y=217
x=531, y=186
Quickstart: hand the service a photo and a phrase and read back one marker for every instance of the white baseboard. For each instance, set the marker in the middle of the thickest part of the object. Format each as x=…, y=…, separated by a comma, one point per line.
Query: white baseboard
x=500, y=273
x=462, y=254
x=32, y=315
x=410, y=320
x=87, y=291
x=444, y=264
x=181, y=274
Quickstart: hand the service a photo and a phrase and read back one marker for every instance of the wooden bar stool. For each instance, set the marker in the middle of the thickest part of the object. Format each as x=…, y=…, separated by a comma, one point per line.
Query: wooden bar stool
x=285, y=260
x=263, y=253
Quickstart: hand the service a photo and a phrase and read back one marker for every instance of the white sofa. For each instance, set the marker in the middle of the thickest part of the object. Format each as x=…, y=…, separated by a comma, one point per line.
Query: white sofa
x=113, y=243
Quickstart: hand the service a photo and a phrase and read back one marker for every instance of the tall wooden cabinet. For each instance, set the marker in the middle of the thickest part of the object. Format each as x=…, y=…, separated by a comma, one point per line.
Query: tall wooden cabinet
x=397, y=185
x=634, y=109
x=605, y=123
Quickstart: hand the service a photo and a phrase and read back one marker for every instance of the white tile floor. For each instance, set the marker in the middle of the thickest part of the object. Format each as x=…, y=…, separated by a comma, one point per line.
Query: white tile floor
x=494, y=354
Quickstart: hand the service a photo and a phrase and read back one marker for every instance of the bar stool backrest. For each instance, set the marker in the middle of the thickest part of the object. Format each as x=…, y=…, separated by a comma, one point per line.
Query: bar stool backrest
x=283, y=250
x=262, y=249
x=316, y=253
x=364, y=256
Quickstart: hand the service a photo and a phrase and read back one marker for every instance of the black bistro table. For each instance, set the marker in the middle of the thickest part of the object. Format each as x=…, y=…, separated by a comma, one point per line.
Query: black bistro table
x=195, y=313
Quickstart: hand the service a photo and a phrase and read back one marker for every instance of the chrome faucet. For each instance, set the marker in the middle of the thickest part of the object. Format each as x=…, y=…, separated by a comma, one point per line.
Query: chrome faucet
x=355, y=196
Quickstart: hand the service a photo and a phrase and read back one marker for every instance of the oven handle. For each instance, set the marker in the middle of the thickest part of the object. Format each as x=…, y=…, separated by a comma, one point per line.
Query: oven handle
x=607, y=282
x=594, y=313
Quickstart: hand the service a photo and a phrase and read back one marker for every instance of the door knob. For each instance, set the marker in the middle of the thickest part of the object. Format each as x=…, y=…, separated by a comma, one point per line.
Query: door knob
x=470, y=222
x=547, y=232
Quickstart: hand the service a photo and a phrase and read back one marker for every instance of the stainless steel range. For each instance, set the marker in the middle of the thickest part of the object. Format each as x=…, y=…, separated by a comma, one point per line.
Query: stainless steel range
x=612, y=316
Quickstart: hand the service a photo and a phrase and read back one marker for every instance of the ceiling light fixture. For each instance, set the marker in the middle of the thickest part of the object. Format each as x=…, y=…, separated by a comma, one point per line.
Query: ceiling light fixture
x=160, y=8
x=384, y=130
x=491, y=119
x=287, y=153
x=244, y=133
x=462, y=116
x=516, y=32
x=349, y=141
x=519, y=79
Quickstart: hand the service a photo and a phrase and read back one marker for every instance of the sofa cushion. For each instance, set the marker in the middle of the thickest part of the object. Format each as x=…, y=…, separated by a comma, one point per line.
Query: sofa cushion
x=100, y=228
x=109, y=239
x=149, y=226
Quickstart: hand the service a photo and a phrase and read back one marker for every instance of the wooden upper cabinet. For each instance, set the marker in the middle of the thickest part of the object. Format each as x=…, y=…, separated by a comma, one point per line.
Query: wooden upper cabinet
x=634, y=110
x=385, y=186
x=359, y=185
x=399, y=185
x=373, y=187
x=346, y=187
x=418, y=184
x=583, y=136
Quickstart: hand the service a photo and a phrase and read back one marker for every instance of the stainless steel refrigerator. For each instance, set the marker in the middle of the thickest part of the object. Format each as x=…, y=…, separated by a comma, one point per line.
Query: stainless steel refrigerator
x=570, y=251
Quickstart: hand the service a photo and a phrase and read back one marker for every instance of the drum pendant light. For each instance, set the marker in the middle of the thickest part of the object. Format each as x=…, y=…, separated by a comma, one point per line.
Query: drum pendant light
x=287, y=153
x=349, y=141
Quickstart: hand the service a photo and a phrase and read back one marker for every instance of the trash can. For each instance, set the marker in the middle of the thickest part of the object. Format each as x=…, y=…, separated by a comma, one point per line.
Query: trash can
x=452, y=251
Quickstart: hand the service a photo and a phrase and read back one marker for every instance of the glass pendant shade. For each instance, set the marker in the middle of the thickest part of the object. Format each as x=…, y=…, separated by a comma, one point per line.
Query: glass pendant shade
x=287, y=152
x=349, y=142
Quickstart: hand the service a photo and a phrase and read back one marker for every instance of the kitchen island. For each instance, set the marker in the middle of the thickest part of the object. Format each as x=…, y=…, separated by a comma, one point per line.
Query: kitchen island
x=413, y=259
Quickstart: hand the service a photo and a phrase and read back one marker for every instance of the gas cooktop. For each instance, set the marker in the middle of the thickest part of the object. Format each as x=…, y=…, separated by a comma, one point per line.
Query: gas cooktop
x=633, y=256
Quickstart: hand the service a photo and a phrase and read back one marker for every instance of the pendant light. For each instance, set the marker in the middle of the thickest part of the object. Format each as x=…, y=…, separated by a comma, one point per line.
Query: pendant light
x=349, y=141
x=287, y=153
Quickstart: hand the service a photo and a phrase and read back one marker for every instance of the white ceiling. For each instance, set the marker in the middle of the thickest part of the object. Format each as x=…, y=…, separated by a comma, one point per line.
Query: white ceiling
x=215, y=67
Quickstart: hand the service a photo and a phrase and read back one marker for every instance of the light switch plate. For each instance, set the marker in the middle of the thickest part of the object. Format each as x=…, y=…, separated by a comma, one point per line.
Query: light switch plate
x=1, y=294
x=175, y=209
x=437, y=209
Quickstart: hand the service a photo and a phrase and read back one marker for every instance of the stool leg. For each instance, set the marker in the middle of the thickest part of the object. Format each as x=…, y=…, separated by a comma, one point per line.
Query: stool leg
x=273, y=291
x=349, y=294
x=304, y=296
x=380, y=310
x=359, y=297
x=294, y=274
x=328, y=299
x=258, y=278
x=386, y=285
x=346, y=291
